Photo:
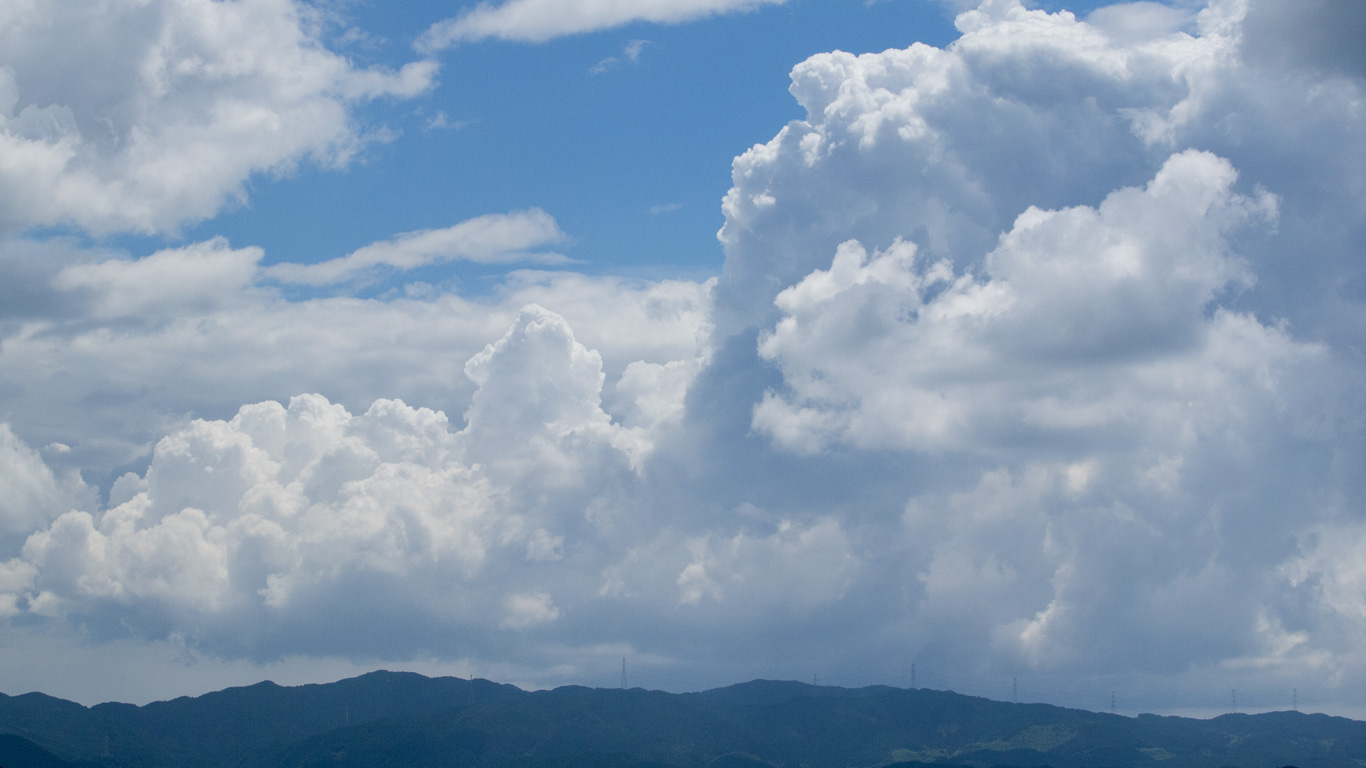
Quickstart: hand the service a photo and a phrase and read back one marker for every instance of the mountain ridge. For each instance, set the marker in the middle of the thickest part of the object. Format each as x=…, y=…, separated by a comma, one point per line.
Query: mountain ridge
x=401, y=719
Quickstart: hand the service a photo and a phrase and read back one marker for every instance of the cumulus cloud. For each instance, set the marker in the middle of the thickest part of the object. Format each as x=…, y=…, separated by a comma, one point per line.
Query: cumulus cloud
x=491, y=239
x=1046, y=269
x=519, y=419
x=137, y=117
x=198, y=329
x=239, y=520
x=882, y=353
x=33, y=493
x=946, y=147
x=540, y=20
x=272, y=532
x=259, y=520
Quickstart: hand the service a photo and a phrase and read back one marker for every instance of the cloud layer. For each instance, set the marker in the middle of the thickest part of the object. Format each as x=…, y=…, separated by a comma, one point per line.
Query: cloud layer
x=1035, y=354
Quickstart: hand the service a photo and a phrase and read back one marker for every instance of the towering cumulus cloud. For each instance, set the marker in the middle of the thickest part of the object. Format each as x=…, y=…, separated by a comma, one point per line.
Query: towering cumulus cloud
x=1068, y=275
x=1035, y=355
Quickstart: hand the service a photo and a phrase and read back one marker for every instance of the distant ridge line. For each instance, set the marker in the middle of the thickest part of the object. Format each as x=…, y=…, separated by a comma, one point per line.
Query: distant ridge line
x=399, y=719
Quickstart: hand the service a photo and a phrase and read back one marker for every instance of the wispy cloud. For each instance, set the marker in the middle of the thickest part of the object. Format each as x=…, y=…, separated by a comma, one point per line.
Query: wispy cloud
x=494, y=239
x=655, y=210
x=540, y=20
x=630, y=54
x=441, y=122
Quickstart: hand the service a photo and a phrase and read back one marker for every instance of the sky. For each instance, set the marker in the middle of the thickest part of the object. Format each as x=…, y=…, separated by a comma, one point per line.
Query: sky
x=1012, y=348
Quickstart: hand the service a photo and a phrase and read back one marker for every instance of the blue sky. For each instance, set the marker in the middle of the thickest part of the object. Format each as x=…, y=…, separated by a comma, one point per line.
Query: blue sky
x=793, y=338
x=532, y=125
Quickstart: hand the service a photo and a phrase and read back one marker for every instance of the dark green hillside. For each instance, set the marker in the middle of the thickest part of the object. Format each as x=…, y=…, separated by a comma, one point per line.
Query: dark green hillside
x=219, y=728
x=16, y=752
x=789, y=724
x=388, y=720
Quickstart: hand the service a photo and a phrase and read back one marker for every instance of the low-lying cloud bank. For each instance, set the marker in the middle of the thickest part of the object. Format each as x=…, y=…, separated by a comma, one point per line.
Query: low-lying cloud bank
x=1036, y=355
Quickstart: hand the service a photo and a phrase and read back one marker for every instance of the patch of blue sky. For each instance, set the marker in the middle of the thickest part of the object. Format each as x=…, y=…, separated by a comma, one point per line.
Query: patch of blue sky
x=631, y=157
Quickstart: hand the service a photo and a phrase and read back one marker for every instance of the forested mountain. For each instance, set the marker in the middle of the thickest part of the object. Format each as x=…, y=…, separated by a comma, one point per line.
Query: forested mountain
x=387, y=719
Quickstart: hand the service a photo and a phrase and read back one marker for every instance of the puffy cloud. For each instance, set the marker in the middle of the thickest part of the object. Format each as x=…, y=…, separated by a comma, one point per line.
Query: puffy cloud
x=237, y=520
x=240, y=527
x=946, y=147
x=33, y=493
x=274, y=531
x=197, y=330
x=491, y=239
x=137, y=116
x=540, y=20
x=1039, y=286
x=1082, y=320
x=532, y=420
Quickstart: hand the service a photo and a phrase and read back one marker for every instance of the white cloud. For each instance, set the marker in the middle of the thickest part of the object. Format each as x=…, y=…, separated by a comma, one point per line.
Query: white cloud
x=1062, y=301
x=246, y=517
x=175, y=281
x=441, y=121
x=1140, y=21
x=1081, y=319
x=280, y=510
x=191, y=330
x=491, y=239
x=533, y=427
x=946, y=147
x=141, y=116
x=524, y=611
x=33, y=493
x=631, y=53
x=541, y=20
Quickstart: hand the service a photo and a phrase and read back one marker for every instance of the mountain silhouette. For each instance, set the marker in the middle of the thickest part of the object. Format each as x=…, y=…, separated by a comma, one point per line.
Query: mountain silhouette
x=405, y=720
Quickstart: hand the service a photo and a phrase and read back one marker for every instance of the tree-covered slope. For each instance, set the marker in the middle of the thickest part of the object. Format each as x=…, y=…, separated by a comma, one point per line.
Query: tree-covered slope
x=390, y=720
x=218, y=729
x=789, y=726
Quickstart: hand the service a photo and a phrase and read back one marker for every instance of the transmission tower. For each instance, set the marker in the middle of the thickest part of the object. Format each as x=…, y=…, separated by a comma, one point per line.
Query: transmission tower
x=1112, y=702
x=1014, y=690
x=913, y=674
x=623, y=673
x=1233, y=700
x=1295, y=700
